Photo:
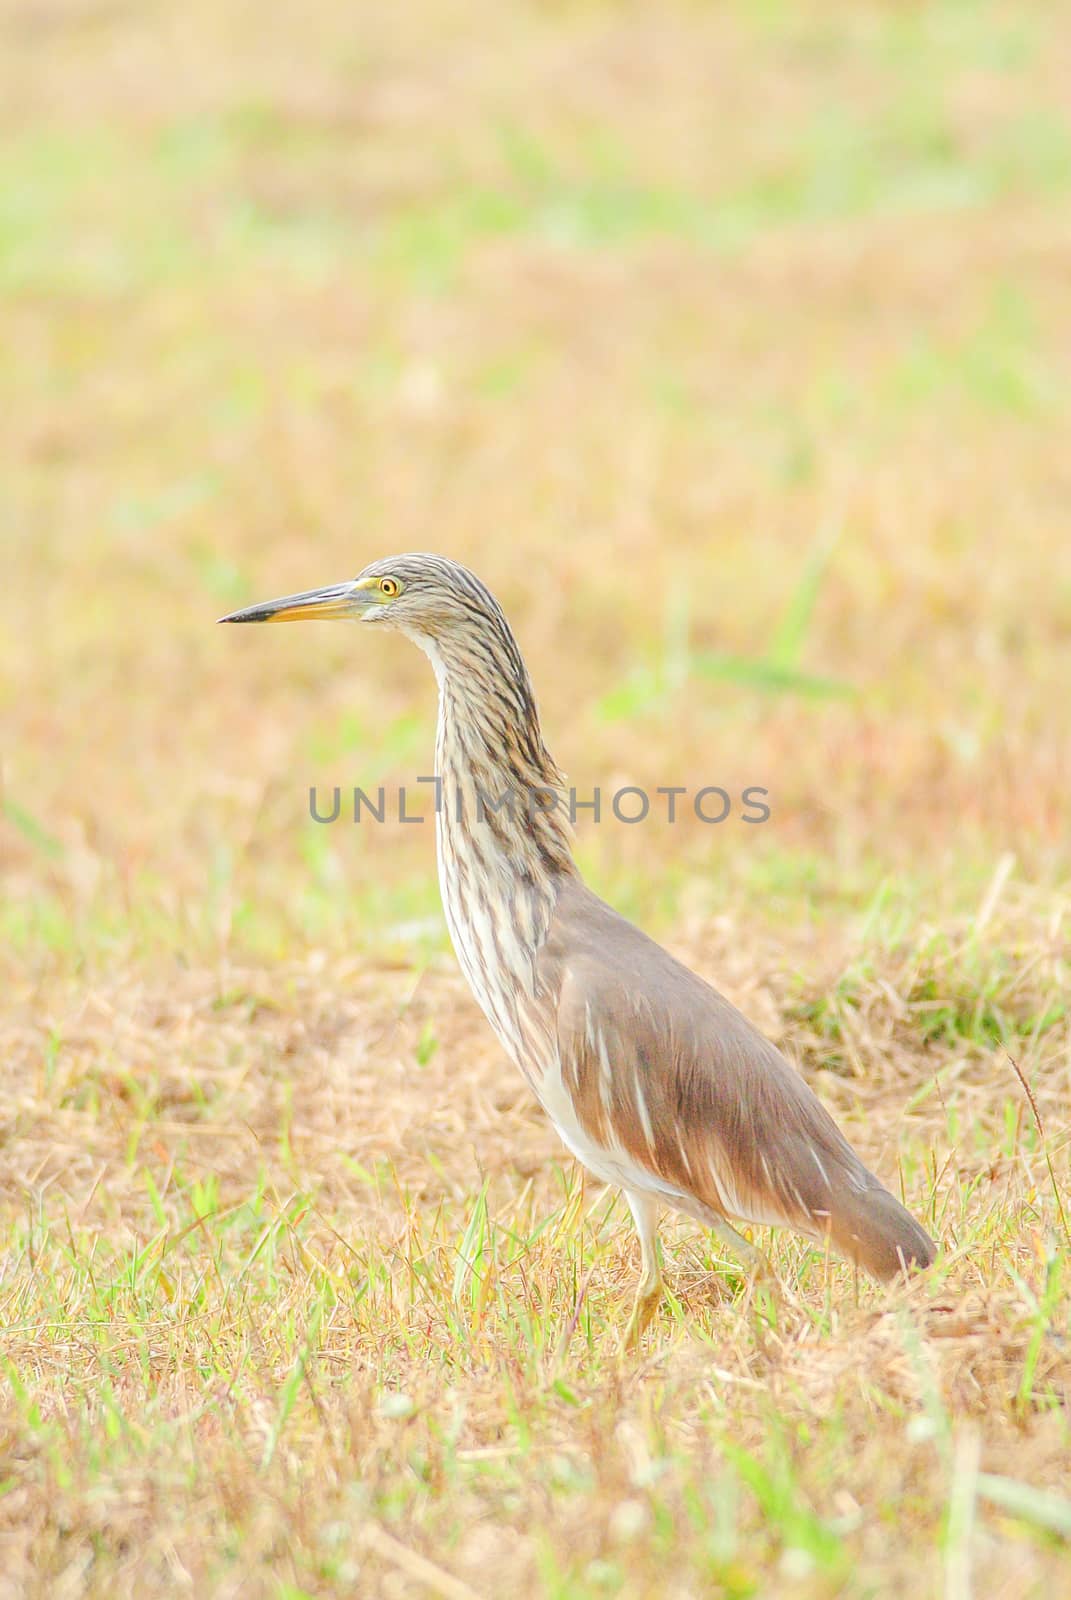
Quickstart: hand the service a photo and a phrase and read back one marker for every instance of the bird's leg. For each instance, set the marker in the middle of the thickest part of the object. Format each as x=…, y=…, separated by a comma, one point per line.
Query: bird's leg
x=644, y=1210
x=758, y=1267
x=749, y=1254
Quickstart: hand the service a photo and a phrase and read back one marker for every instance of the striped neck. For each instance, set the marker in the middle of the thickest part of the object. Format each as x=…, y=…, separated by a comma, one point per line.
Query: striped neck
x=501, y=795
x=503, y=841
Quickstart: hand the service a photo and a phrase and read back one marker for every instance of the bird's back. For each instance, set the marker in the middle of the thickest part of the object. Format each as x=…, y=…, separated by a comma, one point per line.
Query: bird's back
x=677, y=1088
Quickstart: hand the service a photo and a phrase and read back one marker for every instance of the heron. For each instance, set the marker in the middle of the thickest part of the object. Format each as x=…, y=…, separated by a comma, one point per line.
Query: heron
x=654, y=1081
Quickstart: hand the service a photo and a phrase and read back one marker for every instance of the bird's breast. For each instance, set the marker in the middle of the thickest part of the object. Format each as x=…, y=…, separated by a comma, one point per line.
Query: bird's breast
x=497, y=927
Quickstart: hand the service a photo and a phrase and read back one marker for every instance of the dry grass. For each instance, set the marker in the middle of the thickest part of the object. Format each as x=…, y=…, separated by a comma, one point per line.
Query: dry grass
x=730, y=344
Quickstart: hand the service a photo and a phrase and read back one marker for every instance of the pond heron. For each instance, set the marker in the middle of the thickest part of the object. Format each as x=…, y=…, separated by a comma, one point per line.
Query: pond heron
x=653, y=1080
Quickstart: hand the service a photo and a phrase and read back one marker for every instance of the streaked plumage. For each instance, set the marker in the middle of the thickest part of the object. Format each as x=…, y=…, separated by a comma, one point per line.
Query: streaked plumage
x=653, y=1080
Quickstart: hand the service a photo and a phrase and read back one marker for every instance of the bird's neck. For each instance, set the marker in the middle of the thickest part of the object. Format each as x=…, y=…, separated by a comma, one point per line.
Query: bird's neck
x=503, y=836
x=501, y=795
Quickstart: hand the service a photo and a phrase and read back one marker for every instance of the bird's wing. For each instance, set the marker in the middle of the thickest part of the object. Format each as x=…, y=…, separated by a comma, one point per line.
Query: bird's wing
x=661, y=1067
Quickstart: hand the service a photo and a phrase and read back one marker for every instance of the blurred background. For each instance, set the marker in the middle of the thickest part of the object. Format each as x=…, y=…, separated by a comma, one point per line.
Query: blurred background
x=729, y=344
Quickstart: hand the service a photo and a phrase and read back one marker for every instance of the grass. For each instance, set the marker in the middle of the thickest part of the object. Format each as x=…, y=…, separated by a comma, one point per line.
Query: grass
x=729, y=345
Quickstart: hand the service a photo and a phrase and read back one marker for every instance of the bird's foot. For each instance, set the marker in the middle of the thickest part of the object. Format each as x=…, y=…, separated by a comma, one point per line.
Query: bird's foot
x=758, y=1275
x=761, y=1274
x=760, y=1280
x=646, y=1303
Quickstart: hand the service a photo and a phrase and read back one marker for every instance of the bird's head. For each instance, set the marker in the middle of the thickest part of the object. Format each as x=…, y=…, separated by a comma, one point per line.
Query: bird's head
x=457, y=622
x=428, y=597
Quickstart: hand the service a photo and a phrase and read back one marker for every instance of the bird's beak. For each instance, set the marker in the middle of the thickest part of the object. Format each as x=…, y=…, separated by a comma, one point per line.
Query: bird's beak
x=336, y=600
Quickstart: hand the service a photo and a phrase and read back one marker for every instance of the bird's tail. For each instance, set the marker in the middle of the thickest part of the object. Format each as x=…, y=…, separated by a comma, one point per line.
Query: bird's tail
x=872, y=1228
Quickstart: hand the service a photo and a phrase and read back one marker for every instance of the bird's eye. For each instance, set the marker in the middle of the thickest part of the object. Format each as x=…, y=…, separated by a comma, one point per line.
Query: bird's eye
x=389, y=587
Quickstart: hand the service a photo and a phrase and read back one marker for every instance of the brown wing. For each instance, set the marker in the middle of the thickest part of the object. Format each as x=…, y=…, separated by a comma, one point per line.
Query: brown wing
x=661, y=1066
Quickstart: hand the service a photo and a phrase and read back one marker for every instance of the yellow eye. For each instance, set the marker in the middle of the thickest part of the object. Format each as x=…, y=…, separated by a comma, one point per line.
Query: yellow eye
x=389, y=587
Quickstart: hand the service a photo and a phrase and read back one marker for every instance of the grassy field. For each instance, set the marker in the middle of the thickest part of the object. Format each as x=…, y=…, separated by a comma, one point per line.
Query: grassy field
x=731, y=345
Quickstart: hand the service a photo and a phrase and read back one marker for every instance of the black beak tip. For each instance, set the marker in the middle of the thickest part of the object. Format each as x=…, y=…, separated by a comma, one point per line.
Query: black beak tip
x=251, y=614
